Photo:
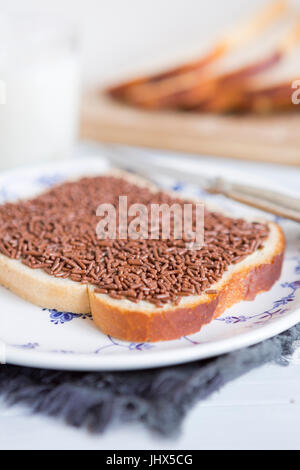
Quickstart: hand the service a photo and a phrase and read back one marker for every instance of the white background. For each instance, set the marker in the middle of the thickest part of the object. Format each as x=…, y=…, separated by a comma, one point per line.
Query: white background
x=125, y=36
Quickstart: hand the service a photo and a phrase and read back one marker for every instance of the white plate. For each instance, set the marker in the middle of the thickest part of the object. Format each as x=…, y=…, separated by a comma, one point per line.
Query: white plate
x=41, y=338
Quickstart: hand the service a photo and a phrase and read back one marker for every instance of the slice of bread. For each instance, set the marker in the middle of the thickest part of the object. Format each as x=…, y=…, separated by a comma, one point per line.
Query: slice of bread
x=143, y=321
x=257, y=35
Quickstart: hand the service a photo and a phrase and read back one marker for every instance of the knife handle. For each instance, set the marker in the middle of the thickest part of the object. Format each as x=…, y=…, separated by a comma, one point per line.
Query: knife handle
x=267, y=200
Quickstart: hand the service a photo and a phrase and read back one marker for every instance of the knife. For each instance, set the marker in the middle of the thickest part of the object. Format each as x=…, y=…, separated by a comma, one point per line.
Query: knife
x=272, y=201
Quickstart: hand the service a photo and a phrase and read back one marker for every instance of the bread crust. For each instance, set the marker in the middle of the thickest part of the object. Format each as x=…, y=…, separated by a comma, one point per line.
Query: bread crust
x=173, y=323
x=43, y=290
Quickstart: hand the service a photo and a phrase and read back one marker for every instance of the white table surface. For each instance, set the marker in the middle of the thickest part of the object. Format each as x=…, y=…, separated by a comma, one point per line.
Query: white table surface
x=261, y=410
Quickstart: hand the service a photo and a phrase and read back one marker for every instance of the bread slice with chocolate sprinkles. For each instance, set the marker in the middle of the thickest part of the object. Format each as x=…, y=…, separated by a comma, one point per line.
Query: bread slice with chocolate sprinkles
x=137, y=290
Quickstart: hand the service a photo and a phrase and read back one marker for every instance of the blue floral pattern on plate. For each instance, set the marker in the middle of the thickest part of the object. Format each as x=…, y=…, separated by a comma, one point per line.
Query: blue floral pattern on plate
x=50, y=180
x=59, y=318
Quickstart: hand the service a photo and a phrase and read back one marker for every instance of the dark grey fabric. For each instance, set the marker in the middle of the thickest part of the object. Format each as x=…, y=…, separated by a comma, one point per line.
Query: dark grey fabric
x=160, y=398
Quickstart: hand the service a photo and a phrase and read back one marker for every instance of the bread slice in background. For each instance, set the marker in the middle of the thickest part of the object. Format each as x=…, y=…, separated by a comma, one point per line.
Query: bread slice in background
x=252, y=40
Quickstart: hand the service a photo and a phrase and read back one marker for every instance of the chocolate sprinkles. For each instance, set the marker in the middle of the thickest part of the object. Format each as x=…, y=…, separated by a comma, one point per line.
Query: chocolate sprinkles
x=56, y=232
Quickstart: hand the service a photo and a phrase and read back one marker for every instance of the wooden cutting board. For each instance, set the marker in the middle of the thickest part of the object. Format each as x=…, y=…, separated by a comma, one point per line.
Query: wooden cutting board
x=267, y=138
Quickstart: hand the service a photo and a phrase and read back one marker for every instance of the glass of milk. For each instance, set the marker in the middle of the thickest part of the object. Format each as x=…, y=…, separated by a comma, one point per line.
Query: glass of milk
x=39, y=92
